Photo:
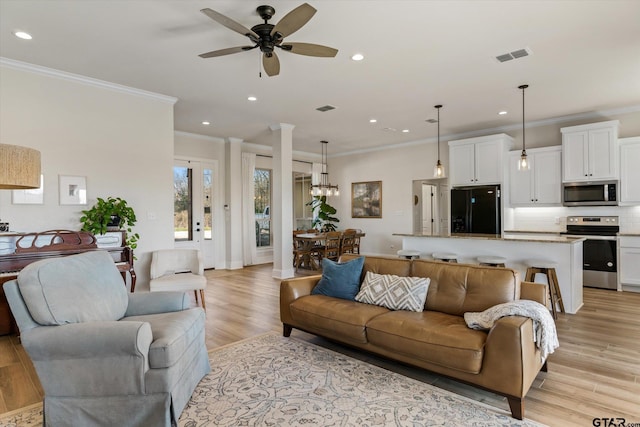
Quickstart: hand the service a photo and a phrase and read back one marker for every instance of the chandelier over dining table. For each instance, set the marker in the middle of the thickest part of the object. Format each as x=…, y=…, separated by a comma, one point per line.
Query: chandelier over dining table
x=324, y=187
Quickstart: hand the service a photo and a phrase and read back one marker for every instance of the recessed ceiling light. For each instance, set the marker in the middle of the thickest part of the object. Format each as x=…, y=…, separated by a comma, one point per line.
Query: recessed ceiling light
x=358, y=57
x=502, y=113
x=22, y=35
x=373, y=120
x=405, y=130
x=206, y=123
x=252, y=98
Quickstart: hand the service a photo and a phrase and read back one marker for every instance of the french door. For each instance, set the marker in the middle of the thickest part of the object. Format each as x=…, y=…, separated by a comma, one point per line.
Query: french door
x=193, y=205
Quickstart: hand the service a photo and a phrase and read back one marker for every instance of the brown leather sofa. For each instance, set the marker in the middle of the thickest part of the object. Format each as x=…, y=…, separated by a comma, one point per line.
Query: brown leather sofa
x=504, y=360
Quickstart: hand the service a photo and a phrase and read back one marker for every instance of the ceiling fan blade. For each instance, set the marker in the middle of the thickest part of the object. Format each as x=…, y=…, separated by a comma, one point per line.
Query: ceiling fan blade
x=228, y=22
x=271, y=64
x=294, y=20
x=227, y=51
x=310, y=49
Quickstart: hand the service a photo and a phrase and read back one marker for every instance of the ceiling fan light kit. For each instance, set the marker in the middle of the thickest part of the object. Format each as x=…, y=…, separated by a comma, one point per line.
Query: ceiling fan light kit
x=267, y=37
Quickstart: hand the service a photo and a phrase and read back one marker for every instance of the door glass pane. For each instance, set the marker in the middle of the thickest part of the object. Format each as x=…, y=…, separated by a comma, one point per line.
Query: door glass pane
x=207, y=200
x=302, y=212
x=182, y=203
x=262, y=203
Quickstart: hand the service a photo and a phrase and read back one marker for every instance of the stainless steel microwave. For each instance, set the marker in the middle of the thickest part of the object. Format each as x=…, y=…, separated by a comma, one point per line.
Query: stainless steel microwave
x=600, y=193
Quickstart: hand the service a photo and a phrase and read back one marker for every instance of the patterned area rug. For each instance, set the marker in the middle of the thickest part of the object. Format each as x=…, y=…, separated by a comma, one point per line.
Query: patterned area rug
x=270, y=380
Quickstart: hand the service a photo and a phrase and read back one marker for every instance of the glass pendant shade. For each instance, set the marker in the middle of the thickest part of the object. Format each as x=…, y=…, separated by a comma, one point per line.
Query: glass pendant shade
x=523, y=162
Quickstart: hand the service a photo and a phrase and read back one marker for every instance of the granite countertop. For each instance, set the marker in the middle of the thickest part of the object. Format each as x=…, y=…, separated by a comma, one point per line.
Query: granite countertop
x=629, y=234
x=512, y=237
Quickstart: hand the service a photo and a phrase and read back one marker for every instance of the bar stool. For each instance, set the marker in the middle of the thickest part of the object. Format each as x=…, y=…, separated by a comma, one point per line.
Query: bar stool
x=445, y=256
x=547, y=269
x=408, y=254
x=492, y=261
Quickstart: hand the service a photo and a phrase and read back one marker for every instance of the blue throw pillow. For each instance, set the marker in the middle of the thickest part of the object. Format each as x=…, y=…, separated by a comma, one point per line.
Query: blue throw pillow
x=340, y=279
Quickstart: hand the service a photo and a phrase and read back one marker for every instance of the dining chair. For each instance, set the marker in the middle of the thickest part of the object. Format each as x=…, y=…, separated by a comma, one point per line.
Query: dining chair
x=331, y=248
x=356, y=239
x=348, y=242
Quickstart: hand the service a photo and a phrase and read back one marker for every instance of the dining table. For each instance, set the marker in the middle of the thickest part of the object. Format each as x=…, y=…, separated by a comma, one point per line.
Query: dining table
x=307, y=242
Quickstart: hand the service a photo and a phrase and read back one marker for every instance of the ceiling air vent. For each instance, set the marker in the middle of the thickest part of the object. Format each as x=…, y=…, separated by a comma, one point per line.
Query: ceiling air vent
x=326, y=108
x=431, y=121
x=520, y=53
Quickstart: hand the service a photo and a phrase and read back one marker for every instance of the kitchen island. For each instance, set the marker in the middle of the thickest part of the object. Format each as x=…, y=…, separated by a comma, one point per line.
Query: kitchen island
x=518, y=249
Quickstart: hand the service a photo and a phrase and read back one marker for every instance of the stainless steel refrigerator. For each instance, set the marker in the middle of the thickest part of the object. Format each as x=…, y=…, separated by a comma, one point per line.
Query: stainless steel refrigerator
x=476, y=210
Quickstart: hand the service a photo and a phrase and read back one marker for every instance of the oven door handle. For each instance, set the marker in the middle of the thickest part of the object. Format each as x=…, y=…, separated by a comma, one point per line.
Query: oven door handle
x=593, y=237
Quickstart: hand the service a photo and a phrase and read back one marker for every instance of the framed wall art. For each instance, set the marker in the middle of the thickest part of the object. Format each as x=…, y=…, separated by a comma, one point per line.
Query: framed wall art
x=366, y=199
x=33, y=196
x=73, y=190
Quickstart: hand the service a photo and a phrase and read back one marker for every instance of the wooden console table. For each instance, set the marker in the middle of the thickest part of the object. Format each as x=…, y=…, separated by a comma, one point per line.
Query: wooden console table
x=17, y=250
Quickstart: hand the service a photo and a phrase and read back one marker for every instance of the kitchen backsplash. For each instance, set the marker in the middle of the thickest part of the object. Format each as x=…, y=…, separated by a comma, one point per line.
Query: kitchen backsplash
x=554, y=219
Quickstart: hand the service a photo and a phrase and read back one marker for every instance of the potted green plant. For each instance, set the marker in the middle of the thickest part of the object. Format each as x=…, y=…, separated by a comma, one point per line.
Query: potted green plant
x=111, y=214
x=323, y=220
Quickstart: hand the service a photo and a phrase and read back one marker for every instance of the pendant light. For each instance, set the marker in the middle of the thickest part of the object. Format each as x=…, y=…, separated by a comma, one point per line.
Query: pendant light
x=523, y=161
x=438, y=170
x=324, y=188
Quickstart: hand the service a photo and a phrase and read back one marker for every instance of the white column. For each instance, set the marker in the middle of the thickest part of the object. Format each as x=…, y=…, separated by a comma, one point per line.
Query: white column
x=233, y=208
x=282, y=206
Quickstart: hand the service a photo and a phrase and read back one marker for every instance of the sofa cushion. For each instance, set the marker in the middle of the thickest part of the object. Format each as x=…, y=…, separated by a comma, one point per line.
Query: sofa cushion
x=334, y=317
x=394, y=292
x=459, y=288
x=340, y=279
x=429, y=336
x=172, y=332
x=57, y=292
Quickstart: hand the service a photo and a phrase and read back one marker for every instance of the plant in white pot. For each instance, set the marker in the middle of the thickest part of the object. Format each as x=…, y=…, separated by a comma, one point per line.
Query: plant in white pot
x=111, y=214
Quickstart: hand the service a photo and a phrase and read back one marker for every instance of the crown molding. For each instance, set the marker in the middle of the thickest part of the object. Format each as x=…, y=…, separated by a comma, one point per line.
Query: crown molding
x=601, y=114
x=63, y=75
x=198, y=136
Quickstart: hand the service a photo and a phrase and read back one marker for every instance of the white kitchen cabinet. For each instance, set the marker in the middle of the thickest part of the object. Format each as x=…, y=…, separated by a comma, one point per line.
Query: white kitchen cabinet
x=478, y=161
x=629, y=171
x=629, y=263
x=540, y=185
x=590, y=152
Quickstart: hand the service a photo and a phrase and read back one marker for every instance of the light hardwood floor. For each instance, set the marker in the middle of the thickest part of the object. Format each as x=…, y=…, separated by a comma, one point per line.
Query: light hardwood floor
x=594, y=374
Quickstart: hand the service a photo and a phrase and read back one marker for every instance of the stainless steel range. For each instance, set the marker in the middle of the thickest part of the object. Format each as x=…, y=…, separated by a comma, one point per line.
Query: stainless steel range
x=600, y=261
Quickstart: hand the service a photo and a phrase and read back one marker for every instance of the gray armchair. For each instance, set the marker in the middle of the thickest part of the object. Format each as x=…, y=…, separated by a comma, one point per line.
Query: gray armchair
x=104, y=356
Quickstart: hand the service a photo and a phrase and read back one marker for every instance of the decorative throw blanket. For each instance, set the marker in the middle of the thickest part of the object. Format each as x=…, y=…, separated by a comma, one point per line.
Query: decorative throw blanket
x=544, y=328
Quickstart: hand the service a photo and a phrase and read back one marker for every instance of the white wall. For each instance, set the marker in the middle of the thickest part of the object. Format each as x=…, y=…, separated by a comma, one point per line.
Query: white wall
x=397, y=168
x=120, y=139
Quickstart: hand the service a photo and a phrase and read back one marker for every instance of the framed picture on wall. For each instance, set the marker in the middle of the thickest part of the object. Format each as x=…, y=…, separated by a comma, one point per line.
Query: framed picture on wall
x=366, y=199
x=33, y=196
x=73, y=190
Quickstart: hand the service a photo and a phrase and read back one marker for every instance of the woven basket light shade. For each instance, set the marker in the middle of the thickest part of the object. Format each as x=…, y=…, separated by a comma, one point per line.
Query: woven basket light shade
x=19, y=167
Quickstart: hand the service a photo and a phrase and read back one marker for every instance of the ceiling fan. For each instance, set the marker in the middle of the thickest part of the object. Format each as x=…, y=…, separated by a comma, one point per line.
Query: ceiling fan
x=267, y=36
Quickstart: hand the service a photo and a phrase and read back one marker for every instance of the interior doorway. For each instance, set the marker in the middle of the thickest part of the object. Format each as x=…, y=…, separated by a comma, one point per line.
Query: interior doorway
x=430, y=206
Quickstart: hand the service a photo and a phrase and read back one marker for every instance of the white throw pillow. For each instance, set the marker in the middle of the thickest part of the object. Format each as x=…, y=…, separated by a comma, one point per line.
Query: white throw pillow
x=394, y=292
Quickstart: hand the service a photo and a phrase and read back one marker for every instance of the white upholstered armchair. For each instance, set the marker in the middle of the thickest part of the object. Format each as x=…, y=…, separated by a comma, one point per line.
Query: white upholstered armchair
x=106, y=357
x=178, y=270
